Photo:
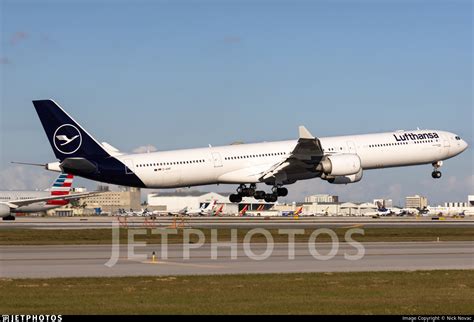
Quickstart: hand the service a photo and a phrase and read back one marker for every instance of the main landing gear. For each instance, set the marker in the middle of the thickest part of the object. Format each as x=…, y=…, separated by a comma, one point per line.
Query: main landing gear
x=243, y=191
x=436, y=174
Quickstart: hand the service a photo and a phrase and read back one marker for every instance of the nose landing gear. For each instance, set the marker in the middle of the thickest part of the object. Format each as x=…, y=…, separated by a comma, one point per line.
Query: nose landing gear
x=436, y=174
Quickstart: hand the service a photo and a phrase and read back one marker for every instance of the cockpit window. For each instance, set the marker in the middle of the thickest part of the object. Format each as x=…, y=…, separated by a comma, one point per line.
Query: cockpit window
x=457, y=138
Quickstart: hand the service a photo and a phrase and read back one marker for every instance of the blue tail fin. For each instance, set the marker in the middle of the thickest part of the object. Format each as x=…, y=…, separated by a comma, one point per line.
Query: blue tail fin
x=67, y=138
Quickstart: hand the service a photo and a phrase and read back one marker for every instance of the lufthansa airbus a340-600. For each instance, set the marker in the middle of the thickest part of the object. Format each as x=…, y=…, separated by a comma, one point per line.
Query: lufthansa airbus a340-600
x=338, y=160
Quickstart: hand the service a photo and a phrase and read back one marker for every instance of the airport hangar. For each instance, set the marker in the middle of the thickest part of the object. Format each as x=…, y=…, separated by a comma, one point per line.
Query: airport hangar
x=193, y=200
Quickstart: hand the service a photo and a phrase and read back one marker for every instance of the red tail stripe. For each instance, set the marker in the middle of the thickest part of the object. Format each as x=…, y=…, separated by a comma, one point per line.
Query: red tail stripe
x=57, y=202
x=59, y=193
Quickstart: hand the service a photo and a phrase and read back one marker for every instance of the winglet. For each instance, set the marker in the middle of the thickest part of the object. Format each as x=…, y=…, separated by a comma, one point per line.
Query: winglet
x=304, y=133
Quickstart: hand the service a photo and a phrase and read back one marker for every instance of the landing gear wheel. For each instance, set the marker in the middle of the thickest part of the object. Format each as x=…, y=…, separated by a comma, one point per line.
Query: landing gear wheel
x=235, y=198
x=9, y=217
x=282, y=192
x=248, y=192
x=436, y=174
x=271, y=197
x=241, y=188
x=259, y=194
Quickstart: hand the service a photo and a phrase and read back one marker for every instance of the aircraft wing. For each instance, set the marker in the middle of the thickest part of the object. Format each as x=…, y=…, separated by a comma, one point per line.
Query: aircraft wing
x=23, y=202
x=304, y=158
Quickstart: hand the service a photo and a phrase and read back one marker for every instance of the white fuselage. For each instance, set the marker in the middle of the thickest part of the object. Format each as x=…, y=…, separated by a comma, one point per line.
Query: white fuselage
x=245, y=163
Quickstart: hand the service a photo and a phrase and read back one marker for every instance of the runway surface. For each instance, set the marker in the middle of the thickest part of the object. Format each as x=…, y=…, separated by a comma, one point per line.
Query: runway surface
x=233, y=222
x=76, y=261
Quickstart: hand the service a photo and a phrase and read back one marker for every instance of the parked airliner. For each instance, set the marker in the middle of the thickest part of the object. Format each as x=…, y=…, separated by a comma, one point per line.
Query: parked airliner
x=338, y=160
x=12, y=202
x=204, y=210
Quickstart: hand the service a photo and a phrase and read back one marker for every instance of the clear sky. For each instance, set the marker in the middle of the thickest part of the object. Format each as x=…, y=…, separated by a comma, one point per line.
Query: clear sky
x=178, y=74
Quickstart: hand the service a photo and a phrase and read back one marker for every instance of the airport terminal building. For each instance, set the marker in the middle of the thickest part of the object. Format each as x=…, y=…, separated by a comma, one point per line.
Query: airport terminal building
x=193, y=200
x=105, y=202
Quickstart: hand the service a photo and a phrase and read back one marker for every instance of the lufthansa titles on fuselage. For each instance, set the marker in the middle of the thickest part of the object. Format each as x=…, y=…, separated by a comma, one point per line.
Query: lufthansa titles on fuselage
x=415, y=136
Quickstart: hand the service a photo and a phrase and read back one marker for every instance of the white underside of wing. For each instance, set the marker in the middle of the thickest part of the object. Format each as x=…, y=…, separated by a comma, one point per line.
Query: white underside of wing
x=249, y=175
x=24, y=202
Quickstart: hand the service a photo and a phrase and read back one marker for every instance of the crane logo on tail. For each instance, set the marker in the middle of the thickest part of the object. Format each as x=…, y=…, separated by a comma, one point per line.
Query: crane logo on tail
x=67, y=139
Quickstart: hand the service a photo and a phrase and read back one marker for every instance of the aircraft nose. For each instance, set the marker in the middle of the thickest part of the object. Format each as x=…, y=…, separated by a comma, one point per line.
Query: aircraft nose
x=464, y=145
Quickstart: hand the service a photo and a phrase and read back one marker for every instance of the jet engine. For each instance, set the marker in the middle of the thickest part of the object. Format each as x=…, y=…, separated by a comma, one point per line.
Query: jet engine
x=340, y=165
x=346, y=179
x=4, y=210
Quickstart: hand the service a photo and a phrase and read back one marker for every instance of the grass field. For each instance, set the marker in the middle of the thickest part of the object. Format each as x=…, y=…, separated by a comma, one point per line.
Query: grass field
x=418, y=292
x=104, y=236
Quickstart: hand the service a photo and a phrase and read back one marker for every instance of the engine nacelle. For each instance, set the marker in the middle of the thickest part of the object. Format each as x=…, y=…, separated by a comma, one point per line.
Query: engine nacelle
x=346, y=179
x=340, y=165
x=4, y=210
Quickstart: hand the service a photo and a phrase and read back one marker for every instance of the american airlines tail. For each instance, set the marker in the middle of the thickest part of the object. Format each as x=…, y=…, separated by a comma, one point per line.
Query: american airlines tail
x=61, y=187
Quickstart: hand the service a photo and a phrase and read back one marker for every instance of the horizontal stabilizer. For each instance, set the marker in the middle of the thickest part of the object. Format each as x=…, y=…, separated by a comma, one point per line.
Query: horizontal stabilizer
x=51, y=166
